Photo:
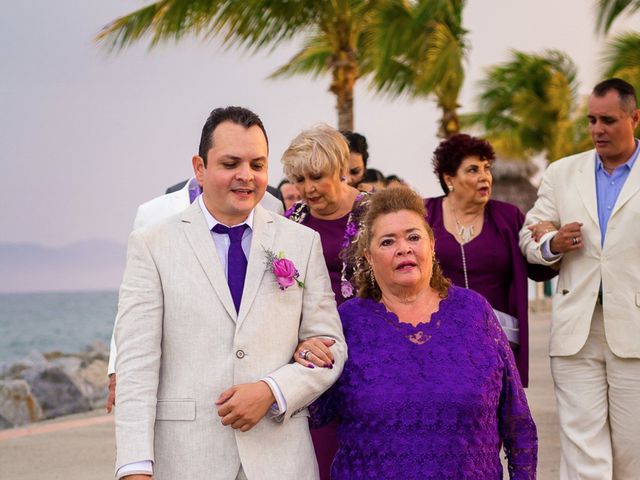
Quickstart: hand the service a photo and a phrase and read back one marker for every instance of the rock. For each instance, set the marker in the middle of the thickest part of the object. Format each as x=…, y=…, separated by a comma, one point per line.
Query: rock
x=4, y=423
x=98, y=350
x=56, y=392
x=18, y=406
x=68, y=364
x=94, y=382
x=35, y=359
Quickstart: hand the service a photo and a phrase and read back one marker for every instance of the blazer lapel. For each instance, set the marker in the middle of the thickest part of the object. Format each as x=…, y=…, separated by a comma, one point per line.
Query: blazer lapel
x=199, y=236
x=586, y=182
x=262, y=238
x=630, y=188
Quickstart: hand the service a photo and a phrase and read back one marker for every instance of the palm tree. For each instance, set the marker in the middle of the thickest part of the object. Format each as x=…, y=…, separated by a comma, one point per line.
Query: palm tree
x=528, y=106
x=338, y=33
x=608, y=10
x=422, y=53
x=622, y=58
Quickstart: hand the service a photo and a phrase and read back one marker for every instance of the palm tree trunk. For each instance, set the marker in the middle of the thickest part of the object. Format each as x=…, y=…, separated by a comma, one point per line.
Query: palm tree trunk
x=449, y=123
x=344, y=70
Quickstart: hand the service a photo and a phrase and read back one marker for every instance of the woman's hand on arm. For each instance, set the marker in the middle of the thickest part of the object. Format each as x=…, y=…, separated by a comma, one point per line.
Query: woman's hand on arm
x=315, y=352
x=538, y=230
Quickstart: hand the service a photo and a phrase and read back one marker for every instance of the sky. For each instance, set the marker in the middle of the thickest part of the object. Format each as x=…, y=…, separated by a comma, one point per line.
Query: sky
x=86, y=136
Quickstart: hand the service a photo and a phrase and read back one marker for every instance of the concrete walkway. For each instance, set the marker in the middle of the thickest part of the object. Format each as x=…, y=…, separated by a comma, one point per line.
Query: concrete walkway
x=83, y=447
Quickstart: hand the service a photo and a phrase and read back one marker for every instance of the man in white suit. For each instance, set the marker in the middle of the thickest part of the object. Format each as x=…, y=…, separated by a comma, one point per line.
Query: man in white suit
x=206, y=386
x=594, y=199
x=153, y=211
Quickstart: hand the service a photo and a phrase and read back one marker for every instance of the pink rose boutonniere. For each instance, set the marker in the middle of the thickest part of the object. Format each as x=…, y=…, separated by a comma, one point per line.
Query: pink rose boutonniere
x=285, y=271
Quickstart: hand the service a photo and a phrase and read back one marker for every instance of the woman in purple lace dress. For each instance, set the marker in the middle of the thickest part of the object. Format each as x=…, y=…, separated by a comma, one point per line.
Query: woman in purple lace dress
x=430, y=389
x=316, y=163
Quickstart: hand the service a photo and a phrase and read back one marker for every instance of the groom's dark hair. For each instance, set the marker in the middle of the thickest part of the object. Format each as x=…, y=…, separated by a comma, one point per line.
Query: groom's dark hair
x=238, y=115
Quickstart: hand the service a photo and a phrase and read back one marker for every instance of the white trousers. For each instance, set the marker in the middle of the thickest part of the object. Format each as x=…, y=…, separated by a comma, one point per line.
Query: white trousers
x=598, y=397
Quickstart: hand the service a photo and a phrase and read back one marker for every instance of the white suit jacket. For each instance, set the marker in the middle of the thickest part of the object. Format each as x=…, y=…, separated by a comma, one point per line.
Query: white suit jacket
x=568, y=194
x=165, y=206
x=181, y=343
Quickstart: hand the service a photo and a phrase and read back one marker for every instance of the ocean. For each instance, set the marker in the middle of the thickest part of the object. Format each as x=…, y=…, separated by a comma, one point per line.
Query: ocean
x=48, y=322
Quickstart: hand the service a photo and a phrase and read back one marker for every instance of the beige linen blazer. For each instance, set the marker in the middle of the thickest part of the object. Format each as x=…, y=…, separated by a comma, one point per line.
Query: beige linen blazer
x=180, y=344
x=165, y=206
x=568, y=194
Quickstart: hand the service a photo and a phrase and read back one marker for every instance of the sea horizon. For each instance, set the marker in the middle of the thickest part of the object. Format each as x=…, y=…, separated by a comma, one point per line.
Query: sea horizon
x=54, y=321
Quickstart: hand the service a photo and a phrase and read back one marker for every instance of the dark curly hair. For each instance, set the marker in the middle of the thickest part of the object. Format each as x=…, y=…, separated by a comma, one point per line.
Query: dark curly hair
x=358, y=144
x=381, y=203
x=452, y=151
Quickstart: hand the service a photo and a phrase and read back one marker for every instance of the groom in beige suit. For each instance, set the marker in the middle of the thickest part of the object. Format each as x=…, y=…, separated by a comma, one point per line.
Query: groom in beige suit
x=206, y=385
x=594, y=199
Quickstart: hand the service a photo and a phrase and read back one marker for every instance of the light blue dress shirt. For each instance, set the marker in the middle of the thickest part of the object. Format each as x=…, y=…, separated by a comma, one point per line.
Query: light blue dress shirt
x=608, y=187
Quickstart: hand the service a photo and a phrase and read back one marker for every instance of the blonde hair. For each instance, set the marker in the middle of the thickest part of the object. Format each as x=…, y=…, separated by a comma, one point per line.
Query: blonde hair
x=320, y=149
x=381, y=203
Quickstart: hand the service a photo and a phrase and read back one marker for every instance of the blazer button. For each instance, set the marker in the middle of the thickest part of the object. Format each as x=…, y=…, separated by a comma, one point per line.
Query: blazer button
x=239, y=354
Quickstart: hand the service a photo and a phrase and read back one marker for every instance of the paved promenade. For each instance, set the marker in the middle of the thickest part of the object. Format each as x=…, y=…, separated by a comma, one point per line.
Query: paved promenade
x=82, y=446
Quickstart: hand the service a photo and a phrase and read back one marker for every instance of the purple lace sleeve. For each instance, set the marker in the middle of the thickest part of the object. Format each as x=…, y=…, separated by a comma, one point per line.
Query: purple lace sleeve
x=515, y=424
x=324, y=410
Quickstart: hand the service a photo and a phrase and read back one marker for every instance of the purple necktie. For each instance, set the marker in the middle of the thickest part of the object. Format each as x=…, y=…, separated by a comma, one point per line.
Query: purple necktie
x=236, y=261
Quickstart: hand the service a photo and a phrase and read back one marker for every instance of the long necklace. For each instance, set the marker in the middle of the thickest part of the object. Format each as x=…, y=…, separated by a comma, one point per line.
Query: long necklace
x=465, y=232
x=464, y=267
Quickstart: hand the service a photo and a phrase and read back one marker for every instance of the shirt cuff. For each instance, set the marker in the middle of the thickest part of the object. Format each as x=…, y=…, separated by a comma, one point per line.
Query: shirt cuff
x=280, y=407
x=111, y=368
x=144, y=467
x=545, y=250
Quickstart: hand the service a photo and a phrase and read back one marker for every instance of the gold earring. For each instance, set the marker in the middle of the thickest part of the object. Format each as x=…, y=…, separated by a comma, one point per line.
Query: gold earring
x=450, y=187
x=372, y=278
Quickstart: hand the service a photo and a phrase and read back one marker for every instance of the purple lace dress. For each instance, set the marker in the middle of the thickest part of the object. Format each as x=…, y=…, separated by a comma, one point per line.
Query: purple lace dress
x=334, y=235
x=435, y=401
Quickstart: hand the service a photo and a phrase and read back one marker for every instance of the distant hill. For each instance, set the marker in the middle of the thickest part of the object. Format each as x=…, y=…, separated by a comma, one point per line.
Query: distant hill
x=87, y=265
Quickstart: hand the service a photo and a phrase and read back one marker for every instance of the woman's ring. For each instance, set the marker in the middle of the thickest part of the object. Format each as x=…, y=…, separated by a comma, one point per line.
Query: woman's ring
x=304, y=354
x=575, y=240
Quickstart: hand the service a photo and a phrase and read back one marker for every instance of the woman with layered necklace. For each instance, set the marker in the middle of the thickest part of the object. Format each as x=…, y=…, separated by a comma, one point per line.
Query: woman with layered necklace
x=477, y=238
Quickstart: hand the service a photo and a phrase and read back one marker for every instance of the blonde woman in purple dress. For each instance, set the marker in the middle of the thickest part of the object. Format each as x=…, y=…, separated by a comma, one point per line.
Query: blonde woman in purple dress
x=316, y=162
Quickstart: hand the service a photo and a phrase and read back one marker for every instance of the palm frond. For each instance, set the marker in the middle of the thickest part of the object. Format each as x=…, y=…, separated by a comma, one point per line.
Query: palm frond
x=248, y=23
x=312, y=59
x=531, y=98
x=607, y=11
x=622, y=58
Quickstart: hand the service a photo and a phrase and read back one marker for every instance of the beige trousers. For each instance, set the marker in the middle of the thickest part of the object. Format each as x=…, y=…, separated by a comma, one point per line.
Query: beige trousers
x=598, y=397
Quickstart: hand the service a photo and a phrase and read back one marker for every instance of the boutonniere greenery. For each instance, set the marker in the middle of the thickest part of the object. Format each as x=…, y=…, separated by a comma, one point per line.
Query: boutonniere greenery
x=284, y=270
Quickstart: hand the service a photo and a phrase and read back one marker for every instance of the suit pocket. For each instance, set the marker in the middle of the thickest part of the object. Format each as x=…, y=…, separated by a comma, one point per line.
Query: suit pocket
x=179, y=409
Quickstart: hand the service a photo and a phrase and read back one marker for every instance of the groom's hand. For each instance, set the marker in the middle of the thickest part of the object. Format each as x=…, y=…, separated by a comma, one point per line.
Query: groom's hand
x=243, y=406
